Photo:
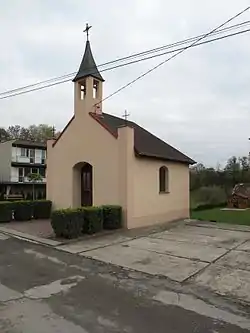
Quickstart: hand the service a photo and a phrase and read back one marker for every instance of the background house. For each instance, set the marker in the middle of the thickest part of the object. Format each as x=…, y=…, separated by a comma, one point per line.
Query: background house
x=19, y=158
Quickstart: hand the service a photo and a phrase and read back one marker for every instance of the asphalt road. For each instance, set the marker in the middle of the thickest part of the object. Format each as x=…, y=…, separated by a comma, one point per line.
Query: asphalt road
x=45, y=290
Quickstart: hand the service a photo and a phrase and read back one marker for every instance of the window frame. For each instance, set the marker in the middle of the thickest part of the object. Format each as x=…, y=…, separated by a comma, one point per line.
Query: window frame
x=43, y=154
x=23, y=152
x=42, y=172
x=35, y=168
x=163, y=174
x=27, y=171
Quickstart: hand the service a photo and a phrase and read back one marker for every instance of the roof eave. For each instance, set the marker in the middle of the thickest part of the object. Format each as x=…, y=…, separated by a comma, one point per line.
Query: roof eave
x=189, y=161
x=79, y=77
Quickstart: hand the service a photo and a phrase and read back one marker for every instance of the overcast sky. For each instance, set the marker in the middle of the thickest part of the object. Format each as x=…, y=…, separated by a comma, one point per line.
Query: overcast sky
x=199, y=102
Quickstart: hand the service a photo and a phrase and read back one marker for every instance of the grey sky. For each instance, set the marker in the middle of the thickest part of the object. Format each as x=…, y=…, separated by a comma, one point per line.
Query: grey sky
x=199, y=102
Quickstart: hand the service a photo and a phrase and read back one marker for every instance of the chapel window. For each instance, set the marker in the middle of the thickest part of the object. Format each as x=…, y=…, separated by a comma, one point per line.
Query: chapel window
x=163, y=179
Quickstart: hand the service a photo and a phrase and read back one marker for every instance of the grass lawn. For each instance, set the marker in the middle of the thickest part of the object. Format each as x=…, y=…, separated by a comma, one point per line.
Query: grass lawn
x=225, y=216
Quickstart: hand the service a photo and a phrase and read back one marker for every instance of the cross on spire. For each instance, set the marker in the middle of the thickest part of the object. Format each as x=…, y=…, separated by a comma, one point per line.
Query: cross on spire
x=53, y=132
x=88, y=27
x=125, y=116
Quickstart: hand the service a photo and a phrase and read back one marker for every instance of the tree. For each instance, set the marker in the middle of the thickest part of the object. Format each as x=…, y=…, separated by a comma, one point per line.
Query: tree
x=4, y=135
x=40, y=133
x=233, y=171
x=34, y=178
x=14, y=131
x=245, y=169
x=237, y=170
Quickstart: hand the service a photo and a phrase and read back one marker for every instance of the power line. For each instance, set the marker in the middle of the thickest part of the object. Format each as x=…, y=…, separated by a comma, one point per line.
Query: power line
x=129, y=63
x=173, y=56
x=135, y=55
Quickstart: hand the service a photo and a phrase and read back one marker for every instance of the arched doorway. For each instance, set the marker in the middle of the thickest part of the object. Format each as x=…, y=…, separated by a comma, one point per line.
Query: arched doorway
x=86, y=185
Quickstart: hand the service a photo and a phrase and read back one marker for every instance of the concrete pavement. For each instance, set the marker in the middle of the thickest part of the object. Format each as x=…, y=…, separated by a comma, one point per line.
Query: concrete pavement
x=46, y=290
x=215, y=257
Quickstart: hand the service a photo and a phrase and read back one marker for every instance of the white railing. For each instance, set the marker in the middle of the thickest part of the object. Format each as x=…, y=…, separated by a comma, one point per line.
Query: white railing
x=22, y=179
x=31, y=160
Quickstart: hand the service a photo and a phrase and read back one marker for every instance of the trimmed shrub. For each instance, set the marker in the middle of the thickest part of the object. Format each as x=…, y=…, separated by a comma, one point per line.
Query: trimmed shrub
x=93, y=219
x=23, y=210
x=67, y=223
x=112, y=217
x=6, y=211
x=42, y=209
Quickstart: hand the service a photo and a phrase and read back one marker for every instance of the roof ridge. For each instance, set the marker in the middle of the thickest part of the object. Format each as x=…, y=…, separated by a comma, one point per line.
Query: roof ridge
x=143, y=147
x=159, y=139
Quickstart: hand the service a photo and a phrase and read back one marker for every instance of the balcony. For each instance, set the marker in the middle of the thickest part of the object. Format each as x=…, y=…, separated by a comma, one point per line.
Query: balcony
x=19, y=180
x=24, y=180
x=26, y=161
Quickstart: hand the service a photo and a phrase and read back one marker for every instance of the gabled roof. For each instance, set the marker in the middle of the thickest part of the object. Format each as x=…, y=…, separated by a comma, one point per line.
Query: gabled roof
x=146, y=144
x=88, y=66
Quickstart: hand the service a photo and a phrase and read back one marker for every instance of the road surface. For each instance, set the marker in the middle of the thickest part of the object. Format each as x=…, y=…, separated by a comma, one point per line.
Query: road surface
x=45, y=290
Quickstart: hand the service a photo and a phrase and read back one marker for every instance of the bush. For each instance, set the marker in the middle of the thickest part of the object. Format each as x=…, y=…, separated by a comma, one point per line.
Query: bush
x=112, y=217
x=23, y=210
x=67, y=223
x=209, y=206
x=93, y=220
x=42, y=209
x=6, y=211
x=208, y=195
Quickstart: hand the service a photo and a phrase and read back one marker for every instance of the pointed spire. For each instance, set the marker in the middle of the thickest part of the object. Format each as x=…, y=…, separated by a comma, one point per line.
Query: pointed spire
x=88, y=66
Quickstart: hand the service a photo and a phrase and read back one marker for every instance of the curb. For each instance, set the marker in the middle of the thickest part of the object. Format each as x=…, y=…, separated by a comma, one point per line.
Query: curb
x=29, y=238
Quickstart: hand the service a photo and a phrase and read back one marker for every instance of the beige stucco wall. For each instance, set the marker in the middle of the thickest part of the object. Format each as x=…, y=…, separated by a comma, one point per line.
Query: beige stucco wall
x=119, y=177
x=152, y=207
x=85, y=140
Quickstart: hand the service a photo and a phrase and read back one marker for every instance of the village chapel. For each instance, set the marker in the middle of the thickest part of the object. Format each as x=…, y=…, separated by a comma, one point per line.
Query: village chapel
x=101, y=159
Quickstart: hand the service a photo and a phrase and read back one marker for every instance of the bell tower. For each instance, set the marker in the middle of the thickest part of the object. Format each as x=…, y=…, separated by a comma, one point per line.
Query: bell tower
x=88, y=83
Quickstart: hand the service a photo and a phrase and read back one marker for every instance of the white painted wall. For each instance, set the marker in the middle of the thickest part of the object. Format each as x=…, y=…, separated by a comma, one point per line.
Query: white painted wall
x=14, y=174
x=16, y=156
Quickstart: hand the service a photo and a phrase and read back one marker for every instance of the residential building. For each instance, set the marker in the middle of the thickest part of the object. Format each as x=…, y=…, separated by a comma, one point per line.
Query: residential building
x=18, y=159
x=102, y=159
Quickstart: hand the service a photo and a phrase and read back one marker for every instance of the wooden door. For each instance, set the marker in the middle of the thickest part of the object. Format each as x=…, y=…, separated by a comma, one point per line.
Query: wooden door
x=86, y=185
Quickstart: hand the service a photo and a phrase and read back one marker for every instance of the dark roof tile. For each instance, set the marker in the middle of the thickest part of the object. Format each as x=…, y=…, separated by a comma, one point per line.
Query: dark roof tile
x=88, y=66
x=146, y=144
x=29, y=143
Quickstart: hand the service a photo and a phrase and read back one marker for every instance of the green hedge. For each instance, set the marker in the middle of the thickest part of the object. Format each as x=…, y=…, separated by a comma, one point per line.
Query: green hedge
x=23, y=210
x=93, y=219
x=42, y=209
x=67, y=223
x=6, y=208
x=112, y=217
x=72, y=223
x=209, y=206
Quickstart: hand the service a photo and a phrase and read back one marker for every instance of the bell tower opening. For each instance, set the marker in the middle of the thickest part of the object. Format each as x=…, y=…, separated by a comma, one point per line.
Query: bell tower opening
x=95, y=89
x=82, y=90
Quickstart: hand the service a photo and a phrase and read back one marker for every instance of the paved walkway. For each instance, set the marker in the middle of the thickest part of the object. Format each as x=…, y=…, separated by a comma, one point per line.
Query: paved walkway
x=46, y=290
x=38, y=228
x=216, y=257
x=211, y=256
